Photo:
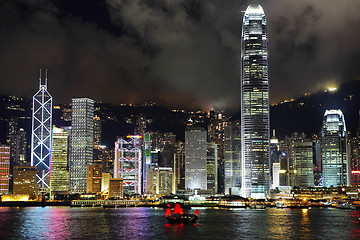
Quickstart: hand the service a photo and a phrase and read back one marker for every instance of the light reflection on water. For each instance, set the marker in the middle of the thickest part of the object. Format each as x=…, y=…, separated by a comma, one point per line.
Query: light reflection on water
x=149, y=223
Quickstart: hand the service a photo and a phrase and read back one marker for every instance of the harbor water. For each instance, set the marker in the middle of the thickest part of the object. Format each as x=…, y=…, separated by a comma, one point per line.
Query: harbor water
x=150, y=223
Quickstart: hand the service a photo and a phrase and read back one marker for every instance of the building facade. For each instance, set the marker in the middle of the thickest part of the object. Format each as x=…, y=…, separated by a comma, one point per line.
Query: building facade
x=335, y=161
x=4, y=168
x=255, y=134
x=195, y=159
x=81, y=143
x=146, y=160
x=18, y=146
x=105, y=180
x=179, y=166
x=160, y=181
x=97, y=131
x=128, y=163
x=94, y=174
x=232, y=159
x=25, y=180
x=355, y=160
x=116, y=188
x=304, y=175
x=59, y=181
x=212, y=168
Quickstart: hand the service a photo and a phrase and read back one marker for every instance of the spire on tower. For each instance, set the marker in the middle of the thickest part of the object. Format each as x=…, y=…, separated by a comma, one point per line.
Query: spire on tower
x=40, y=78
x=46, y=77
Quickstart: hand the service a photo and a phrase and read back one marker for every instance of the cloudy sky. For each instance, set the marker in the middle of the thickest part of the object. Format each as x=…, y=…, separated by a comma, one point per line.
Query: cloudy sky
x=177, y=52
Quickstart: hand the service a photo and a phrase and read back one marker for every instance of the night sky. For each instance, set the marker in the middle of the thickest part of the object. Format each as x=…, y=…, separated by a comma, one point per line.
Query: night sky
x=180, y=53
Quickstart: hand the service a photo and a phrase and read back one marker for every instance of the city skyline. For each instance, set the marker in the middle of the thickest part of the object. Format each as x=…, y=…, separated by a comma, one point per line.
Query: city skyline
x=88, y=153
x=130, y=144
x=178, y=53
x=255, y=128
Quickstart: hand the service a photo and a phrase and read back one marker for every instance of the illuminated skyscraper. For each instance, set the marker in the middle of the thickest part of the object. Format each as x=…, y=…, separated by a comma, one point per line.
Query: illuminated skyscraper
x=212, y=168
x=304, y=170
x=274, y=158
x=4, y=168
x=179, y=166
x=41, y=134
x=232, y=161
x=97, y=131
x=146, y=160
x=18, y=146
x=195, y=159
x=254, y=104
x=59, y=181
x=335, y=161
x=81, y=142
x=18, y=152
x=94, y=178
x=128, y=163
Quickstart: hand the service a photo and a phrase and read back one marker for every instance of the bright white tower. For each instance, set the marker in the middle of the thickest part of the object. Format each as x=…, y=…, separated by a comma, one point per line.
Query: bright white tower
x=41, y=140
x=255, y=134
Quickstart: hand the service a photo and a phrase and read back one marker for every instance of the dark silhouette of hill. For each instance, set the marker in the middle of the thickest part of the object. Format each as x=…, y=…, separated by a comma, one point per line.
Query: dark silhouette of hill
x=305, y=114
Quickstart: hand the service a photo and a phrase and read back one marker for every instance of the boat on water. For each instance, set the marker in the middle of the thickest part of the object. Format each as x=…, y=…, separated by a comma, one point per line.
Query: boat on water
x=185, y=218
x=178, y=216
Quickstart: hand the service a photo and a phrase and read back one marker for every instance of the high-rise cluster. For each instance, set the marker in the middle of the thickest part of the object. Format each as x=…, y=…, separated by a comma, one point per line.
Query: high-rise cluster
x=231, y=157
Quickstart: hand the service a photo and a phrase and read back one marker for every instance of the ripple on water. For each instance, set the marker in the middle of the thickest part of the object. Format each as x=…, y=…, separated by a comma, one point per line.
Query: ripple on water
x=149, y=223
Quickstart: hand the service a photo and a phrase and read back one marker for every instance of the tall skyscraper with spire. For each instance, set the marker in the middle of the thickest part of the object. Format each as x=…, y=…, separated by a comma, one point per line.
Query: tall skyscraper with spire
x=255, y=133
x=335, y=161
x=41, y=134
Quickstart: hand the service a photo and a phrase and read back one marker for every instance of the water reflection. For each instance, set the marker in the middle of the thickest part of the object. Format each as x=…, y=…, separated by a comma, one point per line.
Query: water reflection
x=355, y=233
x=5, y=222
x=150, y=223
x=45, y=223
x=305, y=231
x=177, y=229
x=174, y=229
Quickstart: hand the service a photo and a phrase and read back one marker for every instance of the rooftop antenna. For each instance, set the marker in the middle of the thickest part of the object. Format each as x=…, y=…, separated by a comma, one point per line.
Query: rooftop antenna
x=46, y=77
x=40, y=77
x=274, y=132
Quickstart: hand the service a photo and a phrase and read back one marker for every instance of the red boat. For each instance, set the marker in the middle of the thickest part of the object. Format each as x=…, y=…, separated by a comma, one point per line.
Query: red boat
x=178, y=215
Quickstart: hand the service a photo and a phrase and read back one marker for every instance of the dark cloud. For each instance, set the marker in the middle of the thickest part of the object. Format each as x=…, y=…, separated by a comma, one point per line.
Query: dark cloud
x=178, y=52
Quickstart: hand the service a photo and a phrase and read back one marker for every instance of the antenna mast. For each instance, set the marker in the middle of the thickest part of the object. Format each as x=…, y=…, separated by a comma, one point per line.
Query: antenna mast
x=40, y=77
x=46, y=78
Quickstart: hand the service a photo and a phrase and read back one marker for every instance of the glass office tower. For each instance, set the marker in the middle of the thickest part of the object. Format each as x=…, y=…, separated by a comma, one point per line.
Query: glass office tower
x=232, y=158
x=255, y=134
x=81, y=143
x=335, y=166
x=59, y=181
x=196, y=158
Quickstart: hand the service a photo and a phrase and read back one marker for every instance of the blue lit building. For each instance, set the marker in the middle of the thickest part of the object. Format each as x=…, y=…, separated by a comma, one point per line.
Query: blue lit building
x=41, y=135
